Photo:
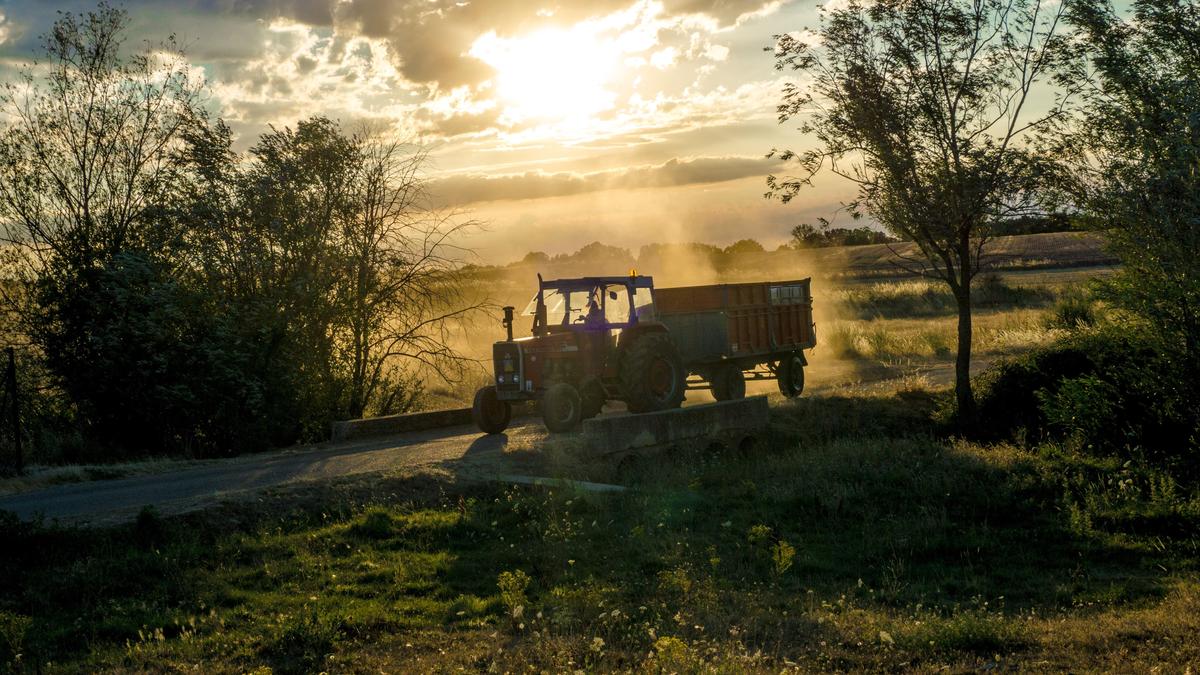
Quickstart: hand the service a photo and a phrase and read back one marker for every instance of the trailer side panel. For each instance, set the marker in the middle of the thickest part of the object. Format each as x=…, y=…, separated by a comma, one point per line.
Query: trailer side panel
x=763, y=319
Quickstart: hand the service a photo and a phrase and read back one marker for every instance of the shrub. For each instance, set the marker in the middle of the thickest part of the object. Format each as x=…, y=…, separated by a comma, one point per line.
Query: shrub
x=1110, y=391
x=1073, y=310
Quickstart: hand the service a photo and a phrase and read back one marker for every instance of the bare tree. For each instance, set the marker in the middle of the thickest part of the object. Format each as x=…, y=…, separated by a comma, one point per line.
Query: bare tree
x=404, y=291
x=925, y=106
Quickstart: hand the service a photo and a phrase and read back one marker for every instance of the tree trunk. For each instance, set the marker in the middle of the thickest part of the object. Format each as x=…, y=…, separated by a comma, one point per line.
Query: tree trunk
x=962, y=363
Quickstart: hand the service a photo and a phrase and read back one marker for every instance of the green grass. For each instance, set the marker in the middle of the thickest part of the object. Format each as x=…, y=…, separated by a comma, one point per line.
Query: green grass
x=858, y=539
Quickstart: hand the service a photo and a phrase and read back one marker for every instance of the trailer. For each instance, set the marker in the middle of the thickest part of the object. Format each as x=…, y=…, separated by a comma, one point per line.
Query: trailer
x=728, y=333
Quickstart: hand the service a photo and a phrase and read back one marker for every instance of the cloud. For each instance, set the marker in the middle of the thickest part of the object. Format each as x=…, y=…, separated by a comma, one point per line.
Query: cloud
x=470, y=188
x=431, y=39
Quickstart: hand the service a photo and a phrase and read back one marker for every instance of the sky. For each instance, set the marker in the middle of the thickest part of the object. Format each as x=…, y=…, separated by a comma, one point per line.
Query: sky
x=552, y=123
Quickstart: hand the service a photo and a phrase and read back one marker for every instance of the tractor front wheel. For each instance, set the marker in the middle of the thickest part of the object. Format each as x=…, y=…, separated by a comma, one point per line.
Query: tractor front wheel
x=562, y=408
x=652, y=375
x=491, y=414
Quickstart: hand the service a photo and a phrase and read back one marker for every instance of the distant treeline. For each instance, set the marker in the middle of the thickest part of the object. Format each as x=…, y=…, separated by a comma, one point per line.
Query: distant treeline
x=603, y=256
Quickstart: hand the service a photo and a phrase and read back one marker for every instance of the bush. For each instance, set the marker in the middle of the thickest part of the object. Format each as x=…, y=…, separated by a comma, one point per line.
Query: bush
x=1107, y=391
x=1073, y=310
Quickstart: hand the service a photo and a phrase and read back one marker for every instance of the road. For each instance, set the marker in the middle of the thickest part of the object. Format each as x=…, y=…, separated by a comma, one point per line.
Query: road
x=457, y=449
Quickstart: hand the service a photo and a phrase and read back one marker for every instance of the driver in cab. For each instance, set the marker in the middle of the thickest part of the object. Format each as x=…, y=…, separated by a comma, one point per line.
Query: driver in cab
x=595, y=315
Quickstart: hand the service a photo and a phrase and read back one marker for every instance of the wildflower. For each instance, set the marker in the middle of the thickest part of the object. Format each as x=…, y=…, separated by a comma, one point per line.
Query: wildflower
x=597, y=644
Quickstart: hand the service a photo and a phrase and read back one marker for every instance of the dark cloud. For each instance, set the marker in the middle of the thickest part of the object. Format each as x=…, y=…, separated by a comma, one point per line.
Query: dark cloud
x=469, y=188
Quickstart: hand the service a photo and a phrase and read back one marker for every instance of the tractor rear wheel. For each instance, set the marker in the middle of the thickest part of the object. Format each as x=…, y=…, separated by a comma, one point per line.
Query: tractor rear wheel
x=791, y=375
x=729, y=384
x=652, y=374
x=562, y=409
x=491, y=414
x=593, y=397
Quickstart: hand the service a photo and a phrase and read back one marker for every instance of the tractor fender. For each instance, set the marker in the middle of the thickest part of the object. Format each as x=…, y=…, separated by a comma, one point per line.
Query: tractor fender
x=631, y=334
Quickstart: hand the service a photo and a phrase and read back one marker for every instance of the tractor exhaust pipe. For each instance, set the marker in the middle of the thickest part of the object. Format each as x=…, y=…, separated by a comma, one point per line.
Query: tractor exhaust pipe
x=508, y=322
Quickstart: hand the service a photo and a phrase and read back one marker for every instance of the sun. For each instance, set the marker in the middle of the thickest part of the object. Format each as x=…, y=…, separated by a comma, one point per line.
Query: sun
x=553, y=74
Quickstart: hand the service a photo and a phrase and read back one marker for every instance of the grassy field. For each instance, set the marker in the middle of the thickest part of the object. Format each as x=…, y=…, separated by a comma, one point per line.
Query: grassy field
x=858, y=538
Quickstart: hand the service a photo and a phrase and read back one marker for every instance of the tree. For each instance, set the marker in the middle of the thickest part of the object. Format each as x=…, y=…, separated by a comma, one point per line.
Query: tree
x=538, y=258
x=922, y=104
x=404, y=291
x=1138, y=150
x=88, y=160
x=743, y=247
x=86, y=157
x=805, y=235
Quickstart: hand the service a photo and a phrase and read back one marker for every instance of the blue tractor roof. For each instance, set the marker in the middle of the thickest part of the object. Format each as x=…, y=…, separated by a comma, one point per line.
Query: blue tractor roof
x=636, y=281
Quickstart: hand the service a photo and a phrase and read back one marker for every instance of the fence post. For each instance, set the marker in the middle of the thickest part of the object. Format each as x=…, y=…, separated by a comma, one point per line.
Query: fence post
x=15, y=411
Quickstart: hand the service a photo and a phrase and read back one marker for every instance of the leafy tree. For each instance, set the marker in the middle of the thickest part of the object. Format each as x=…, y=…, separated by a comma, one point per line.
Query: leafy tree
x=87, y=164
x=535, y=258
x=1138, y=143
x=922, y=104
x=805, y=235
x=743, y=247
x=187, y=297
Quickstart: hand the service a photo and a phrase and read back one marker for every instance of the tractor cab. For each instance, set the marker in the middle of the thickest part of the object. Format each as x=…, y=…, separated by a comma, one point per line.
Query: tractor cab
x=591, y=304
x=594, y=339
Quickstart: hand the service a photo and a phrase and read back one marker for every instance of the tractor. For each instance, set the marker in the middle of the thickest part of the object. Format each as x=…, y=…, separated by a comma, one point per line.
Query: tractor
x=594, y=339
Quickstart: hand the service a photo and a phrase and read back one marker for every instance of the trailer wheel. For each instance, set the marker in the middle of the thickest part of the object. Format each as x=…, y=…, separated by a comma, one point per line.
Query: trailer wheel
x=562, y=409
x=652, y=375
x=490, y=414
x=791, y=376
x=729, y=384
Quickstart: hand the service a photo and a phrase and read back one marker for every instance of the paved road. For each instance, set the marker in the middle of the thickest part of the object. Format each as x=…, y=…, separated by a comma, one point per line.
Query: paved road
x=99, y=502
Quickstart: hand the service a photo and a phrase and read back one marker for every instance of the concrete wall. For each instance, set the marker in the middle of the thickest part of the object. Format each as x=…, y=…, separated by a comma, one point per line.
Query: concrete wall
x=398, y=424
x=609, y=435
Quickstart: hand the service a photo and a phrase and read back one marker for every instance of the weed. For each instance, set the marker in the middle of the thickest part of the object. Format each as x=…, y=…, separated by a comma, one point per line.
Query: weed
x=376, y=523
x=512, y=587
x=782, y=556
x=300, y=644
x=13, y=628
x=1073, y=310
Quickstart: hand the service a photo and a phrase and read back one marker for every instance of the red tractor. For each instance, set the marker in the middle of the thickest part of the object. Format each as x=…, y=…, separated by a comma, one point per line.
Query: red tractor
x=597, y=339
